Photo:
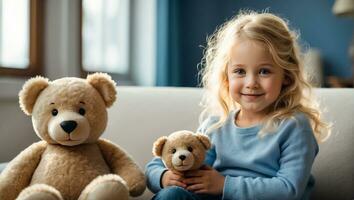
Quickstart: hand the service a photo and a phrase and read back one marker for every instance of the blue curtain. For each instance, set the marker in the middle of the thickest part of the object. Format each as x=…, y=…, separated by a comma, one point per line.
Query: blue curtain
x=168, y=67
x=182, y=27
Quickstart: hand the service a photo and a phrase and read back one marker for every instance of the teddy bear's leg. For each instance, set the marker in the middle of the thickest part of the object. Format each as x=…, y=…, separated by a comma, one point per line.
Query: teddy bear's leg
x=106, y=187
x=40, y=192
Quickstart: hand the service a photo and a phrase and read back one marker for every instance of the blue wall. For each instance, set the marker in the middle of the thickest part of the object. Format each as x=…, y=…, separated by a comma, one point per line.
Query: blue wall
x=191, y=21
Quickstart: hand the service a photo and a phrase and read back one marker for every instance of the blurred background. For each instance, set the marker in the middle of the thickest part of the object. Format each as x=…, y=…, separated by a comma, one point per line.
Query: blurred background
x=156, y=42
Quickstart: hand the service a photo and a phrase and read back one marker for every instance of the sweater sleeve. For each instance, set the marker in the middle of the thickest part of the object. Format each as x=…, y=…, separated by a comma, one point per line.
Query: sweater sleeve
x=298, y=152
x=210, y=156
x=153, y=172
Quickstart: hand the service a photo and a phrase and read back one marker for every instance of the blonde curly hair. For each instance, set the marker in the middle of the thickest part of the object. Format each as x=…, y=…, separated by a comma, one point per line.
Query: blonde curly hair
x=282, y=43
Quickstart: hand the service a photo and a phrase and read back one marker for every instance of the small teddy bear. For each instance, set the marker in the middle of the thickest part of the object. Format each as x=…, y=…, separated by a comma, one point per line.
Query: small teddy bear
x=71, y=162
x=182, y=150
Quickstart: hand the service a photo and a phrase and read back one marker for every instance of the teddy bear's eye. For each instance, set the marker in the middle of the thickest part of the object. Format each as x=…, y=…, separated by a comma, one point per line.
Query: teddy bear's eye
x=190, y=149
x=82, y=111
x=173, y=151
x=54, y=112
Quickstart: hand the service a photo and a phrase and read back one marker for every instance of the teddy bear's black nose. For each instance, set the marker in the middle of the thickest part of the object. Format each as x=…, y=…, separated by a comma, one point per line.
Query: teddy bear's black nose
x=182, y=157
x=68, y=126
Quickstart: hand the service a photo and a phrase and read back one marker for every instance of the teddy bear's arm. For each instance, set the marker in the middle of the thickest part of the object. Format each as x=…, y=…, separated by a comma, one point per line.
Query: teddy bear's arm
x=17, y=175
x=123, y=165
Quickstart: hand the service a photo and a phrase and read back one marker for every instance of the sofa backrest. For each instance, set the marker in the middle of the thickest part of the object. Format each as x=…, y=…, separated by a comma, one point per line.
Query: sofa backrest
x=141, y=115
x=334, y=165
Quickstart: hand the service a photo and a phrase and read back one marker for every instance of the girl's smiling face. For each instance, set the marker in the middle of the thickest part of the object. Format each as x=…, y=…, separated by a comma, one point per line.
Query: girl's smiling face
x=255, y=81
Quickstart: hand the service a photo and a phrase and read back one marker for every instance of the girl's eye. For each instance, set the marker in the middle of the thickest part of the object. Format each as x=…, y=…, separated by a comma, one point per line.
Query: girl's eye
x=173, y=151
x=264, y=71
x=54, y=112
x=190, y=149
x=239, y=71
x=82, y=111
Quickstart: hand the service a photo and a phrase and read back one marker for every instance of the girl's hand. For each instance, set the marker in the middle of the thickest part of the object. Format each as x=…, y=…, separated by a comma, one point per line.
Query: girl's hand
x=205, y=181
x=170, y=178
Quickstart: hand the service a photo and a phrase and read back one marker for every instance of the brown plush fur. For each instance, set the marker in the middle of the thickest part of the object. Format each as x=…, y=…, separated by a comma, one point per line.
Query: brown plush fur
x=105, y=86
x=30, y=92
x=41, y=191
x=17, y=175
x=192, y=146
x=64, y=164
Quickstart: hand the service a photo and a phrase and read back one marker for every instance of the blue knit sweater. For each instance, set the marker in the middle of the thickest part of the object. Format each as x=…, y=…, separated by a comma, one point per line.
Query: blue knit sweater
x=276, y=166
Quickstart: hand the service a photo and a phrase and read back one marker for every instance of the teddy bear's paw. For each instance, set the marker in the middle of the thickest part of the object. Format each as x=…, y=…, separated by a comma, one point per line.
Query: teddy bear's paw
x=40, y=192
x=107, y=187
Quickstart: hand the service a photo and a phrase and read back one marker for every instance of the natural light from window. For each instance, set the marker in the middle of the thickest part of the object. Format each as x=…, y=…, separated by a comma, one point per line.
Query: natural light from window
x=14, y=33
x=105, y=36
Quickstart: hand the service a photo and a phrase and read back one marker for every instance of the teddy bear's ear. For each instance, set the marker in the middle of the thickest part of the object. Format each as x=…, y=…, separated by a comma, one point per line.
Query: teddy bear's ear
x=204, y=140
x=30, y=91
x=158, y=146
x=104, y=84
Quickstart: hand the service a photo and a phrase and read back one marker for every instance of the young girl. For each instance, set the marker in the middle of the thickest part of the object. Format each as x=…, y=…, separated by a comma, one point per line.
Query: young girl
x=259, y=115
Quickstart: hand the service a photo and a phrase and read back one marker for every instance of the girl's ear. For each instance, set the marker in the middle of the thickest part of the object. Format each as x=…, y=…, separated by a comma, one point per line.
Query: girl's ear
x=30, y=92
x=204, y=140
x=158, y=146
x=104, y=84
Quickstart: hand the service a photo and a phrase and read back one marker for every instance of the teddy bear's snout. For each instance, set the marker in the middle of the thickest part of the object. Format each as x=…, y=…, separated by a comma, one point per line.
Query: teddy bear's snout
x=182, y=157
x=68, y=126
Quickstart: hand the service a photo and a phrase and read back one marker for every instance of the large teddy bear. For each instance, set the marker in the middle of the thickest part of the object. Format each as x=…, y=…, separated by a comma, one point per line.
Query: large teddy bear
x=70, y=162
x=182, y=150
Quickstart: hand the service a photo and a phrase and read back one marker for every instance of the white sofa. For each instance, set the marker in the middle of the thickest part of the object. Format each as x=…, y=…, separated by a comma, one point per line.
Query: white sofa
x=142, y=114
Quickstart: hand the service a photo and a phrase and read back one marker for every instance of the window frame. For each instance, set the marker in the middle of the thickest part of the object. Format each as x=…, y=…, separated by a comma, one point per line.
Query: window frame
x=35, y=44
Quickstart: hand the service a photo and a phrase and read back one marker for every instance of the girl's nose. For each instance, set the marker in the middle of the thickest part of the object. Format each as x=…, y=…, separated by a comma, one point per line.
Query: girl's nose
x=251, y=81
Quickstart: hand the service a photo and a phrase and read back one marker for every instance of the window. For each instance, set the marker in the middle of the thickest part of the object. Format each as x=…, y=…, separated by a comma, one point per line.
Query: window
x=105, y=36
x=20, y=37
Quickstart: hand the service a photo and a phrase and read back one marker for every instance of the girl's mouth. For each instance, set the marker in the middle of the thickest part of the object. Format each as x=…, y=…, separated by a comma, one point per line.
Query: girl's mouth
x=251, y=97
x=255, y=95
